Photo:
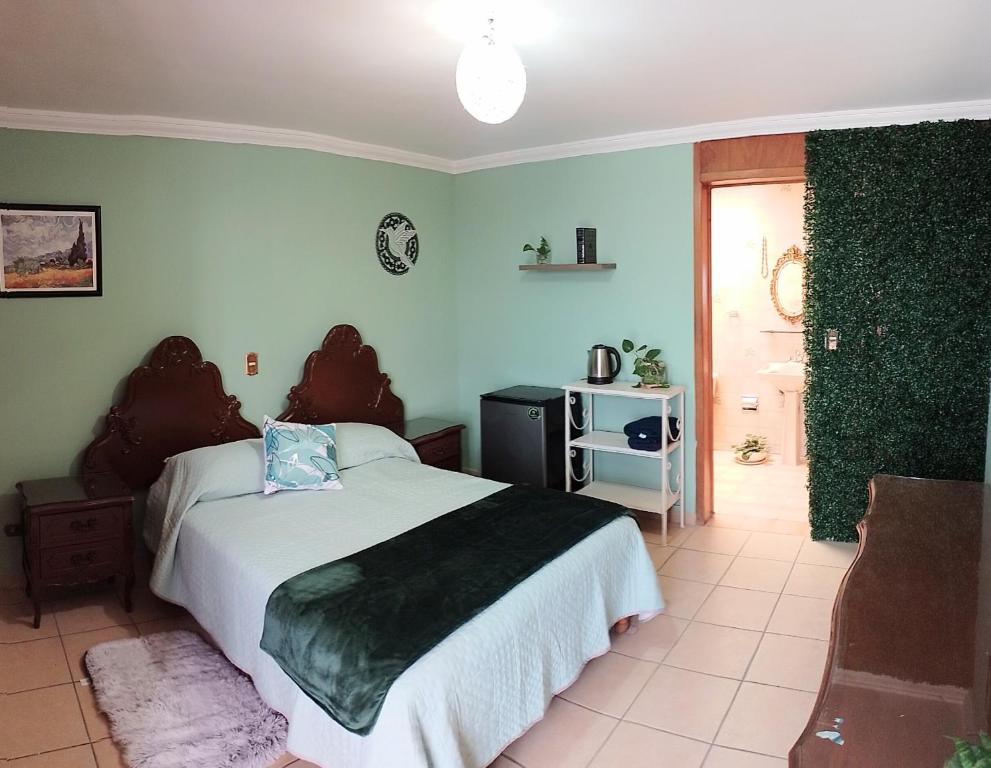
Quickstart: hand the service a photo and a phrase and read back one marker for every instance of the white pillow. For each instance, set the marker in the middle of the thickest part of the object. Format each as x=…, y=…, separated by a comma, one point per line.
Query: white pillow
x=204, y=474
x=224, y=470
x=359, y=444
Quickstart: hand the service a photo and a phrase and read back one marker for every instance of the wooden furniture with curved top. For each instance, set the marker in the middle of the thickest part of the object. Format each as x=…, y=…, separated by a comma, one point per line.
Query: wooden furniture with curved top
x=175, y=403
x=910, y=645
x=342, y=382
x=437, y=441
x=77, y=530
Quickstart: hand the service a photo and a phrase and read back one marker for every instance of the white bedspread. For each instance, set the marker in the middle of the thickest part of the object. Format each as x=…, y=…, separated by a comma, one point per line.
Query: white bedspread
x=460, y=704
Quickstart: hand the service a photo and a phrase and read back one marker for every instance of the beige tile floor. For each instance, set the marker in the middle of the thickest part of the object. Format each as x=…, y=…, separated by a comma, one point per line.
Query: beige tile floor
x=48, y=716
x=770, y=490
x=725, y=678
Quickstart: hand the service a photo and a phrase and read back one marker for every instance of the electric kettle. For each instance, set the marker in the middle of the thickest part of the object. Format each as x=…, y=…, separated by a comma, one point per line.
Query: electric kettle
x=600, y=364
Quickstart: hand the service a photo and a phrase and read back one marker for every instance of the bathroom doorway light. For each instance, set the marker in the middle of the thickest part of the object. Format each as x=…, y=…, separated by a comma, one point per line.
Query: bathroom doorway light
x=490, y=78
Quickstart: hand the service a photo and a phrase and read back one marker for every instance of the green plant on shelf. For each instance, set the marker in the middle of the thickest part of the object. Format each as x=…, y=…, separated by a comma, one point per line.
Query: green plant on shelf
x=652, y=371
x=542, y=251
x=967, y=755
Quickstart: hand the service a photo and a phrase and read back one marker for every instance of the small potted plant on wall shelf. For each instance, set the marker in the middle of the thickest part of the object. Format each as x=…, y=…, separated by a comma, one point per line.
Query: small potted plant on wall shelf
x=753, y=450
x=652, y=371
x=542, y=252
x=967, y=754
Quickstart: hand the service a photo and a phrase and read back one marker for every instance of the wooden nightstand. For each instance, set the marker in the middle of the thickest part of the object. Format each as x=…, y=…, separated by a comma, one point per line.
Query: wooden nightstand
x=437, y=442
x=77, y=530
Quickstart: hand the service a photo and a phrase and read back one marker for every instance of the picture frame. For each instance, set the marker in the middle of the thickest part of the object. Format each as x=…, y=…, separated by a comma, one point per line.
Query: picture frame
x=50, y=251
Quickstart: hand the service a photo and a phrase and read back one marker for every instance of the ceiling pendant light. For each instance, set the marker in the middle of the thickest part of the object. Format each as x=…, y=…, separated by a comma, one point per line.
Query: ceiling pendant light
x=491, y=79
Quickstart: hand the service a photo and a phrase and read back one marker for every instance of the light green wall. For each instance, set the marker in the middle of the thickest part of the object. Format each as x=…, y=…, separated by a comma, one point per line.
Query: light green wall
x=241, y=248
x=260, y=249
x=535, y=328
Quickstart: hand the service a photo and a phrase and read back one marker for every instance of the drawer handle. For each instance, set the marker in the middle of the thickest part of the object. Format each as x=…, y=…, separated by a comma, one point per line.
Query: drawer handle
x=78, y=560
x=81, y=526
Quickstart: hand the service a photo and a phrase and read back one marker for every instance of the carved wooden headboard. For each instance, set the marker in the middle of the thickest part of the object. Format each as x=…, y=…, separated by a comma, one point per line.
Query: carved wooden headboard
x=342, y=382
x=175, y=403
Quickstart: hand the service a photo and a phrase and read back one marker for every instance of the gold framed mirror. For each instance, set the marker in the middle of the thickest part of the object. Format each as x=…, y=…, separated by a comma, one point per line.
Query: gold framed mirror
x=788, y=285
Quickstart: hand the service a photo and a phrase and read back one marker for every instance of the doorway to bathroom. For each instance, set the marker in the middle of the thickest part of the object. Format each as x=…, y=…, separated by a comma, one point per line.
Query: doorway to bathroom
x=749, y=201
x=758, y=372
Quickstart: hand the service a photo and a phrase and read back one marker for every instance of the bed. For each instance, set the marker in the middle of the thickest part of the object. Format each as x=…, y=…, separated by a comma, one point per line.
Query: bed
x=462, y=702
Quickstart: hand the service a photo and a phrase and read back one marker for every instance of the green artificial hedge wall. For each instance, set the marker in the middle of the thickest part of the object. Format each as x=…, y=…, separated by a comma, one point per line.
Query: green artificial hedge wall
x=898, y=226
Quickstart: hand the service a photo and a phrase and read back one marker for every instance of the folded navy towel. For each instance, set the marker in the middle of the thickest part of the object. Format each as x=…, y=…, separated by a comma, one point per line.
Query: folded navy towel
x=650, y=427
x=645, y=443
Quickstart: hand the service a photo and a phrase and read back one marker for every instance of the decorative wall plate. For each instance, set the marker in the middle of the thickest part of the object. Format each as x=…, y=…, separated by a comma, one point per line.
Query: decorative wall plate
x=396, y=243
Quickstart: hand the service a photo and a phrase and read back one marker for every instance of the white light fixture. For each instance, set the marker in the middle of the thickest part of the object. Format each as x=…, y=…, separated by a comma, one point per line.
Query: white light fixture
x=491, y=79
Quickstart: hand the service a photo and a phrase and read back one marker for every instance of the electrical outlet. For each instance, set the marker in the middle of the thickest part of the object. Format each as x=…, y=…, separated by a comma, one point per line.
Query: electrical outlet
x=251, y=363
x=14, y=529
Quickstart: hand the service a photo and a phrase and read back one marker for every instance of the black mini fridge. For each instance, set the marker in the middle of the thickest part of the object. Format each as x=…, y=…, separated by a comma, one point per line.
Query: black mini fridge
x=523, y=436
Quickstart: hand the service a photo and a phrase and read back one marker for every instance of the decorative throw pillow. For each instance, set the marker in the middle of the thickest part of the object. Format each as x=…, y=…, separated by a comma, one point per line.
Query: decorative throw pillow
x=299, y=457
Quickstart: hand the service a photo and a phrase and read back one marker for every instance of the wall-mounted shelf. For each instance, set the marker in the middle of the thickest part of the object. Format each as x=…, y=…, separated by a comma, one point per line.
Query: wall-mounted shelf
x=565, y=267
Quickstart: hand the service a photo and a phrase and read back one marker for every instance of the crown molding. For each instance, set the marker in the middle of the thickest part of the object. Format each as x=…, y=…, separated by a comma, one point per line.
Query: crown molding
x=760, y=126
x=200, y=130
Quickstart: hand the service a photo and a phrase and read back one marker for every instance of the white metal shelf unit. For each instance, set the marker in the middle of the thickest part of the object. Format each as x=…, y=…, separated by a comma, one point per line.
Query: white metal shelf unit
x=580, y=395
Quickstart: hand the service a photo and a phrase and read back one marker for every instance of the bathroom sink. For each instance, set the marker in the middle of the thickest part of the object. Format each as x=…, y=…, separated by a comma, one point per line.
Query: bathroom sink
x=788, y=376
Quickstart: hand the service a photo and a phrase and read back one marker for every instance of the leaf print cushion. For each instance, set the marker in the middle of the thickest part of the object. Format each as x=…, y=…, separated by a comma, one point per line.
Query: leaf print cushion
x=300, y=457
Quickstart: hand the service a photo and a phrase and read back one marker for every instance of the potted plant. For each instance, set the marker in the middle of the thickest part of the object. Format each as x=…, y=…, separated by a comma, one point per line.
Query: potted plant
x=542, y=251
x=753, y=450
x=652, y=371
x=966, y=754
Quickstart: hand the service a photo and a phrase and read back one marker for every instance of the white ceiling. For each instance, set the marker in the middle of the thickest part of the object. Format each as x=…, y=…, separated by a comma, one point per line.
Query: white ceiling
x=382, y=71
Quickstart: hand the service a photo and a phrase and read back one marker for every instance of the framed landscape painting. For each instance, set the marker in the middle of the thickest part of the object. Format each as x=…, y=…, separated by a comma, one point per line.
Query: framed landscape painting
x=50, y=250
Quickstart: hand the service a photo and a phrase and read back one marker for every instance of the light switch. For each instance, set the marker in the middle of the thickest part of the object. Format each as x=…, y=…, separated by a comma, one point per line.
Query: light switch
x=251, y=363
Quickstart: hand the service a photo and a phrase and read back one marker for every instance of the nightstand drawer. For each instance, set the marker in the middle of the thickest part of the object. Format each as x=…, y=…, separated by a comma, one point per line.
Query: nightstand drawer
x=436, y=451
x=98, y=524
x=77, y=530
x=76, y=527
x=81, y=562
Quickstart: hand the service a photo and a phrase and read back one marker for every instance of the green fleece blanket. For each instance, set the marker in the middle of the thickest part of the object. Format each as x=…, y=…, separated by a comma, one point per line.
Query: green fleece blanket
x=346, y=630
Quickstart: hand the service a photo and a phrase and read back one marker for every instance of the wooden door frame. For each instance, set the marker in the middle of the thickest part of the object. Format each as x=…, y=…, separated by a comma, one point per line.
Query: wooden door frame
x=776, y=159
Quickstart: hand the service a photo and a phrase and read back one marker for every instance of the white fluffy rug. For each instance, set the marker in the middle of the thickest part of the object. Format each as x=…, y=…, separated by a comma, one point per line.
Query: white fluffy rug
x=175, y=702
